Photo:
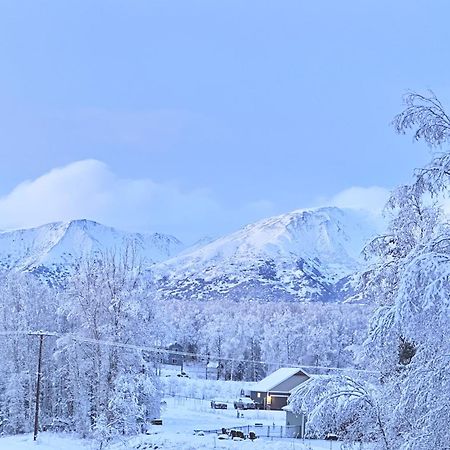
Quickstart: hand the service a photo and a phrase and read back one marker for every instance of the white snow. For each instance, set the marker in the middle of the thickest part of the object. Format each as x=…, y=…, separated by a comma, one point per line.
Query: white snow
x=334, y=236
x=163, y=441
x=46, y=441
x=180, y=418
x=298, y=253
x=61, y=243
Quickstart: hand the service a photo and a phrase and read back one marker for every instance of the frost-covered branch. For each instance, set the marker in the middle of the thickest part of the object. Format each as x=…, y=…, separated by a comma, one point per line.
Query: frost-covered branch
x=342, y=405
x=427, y=116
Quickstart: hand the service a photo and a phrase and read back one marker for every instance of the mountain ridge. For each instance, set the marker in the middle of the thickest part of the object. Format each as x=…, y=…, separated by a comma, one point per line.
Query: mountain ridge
x=303, y=255
x=58, y=244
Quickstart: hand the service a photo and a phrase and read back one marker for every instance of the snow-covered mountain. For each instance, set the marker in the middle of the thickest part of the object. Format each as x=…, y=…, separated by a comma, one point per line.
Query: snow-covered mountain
x=304, y=255
x=51, y=250
x=300, y=256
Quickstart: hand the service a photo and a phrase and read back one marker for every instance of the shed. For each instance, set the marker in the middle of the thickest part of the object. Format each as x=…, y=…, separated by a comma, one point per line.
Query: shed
x=212, y=370
x=273, y=391
x=295, y=423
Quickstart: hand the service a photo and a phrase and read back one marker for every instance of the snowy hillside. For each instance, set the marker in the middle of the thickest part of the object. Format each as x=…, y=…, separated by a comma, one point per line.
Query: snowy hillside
x=303, y=255
x=53, y=248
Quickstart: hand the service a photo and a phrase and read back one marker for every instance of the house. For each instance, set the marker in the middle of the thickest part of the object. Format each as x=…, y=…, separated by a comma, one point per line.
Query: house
x=173, y=357
x=273, y=391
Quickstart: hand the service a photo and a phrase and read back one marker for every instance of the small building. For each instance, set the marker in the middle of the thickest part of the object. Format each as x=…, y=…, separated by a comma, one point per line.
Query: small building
x=273, y=391
x=173, y=357
x=212, y=370
x=295, y=423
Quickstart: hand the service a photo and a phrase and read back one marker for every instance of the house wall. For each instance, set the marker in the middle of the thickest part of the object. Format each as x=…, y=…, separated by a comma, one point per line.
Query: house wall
x=293, y=419
x=295, y=424
x=261, y=399
x=173, y=358
x=277, y=401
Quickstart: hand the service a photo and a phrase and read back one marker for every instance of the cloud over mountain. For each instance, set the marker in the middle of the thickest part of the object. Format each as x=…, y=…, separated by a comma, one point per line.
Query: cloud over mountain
x=90, y=189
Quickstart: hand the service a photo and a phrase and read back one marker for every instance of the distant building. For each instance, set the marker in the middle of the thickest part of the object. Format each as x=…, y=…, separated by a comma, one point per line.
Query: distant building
x=173, y=357
x=213, y=370
x=273, y=391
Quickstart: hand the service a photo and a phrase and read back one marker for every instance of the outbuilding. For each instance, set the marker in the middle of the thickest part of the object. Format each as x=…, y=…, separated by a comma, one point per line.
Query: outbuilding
x=212, y=370
x=295, y=423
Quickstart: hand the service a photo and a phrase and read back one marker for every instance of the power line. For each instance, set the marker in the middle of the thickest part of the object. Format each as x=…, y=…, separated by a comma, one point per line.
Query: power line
x=164, y=351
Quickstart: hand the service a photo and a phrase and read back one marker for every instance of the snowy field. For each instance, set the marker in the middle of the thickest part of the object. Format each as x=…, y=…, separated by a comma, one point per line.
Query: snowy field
x=195, y=387
x=163, y=441
x=180, y=418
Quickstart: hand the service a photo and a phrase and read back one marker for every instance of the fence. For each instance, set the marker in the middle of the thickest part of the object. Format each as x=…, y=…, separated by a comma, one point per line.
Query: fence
x=261, y=431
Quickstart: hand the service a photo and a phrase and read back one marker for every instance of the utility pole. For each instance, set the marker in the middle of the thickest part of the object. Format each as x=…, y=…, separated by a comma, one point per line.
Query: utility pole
x=38, y=386
x=41, y=335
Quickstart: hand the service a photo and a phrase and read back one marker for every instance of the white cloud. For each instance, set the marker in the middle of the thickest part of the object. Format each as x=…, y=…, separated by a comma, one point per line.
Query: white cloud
x=89, y=189
x=371, y=199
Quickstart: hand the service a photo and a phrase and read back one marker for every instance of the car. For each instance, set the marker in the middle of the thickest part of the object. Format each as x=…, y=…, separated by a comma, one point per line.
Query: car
x=244, y=403
x=219, y=404
x=331, y=437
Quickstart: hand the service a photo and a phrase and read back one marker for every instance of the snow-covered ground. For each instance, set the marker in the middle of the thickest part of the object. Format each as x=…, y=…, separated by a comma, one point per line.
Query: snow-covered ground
x=166, y=441
x=180, y=418
x=198, y=387
x=46, y=441
x=188, y=415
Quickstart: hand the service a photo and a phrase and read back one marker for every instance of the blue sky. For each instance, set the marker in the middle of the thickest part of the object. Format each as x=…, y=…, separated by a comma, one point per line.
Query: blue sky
x=196, y=117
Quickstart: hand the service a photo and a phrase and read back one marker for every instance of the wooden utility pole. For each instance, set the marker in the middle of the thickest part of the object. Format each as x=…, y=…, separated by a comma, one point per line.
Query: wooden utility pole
x=38, y=387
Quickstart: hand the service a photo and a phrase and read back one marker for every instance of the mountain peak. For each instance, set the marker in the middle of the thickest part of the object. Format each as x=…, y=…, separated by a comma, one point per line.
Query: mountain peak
x=84, y=223
x=303, y=255
x=59, y=245
x=298, y=255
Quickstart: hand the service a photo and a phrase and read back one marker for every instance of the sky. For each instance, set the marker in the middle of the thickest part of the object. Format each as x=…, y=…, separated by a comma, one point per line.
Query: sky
x=195, y=117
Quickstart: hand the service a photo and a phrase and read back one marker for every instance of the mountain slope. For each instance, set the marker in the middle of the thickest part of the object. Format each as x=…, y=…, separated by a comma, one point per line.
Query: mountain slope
x=304, y=255
x=53, y=248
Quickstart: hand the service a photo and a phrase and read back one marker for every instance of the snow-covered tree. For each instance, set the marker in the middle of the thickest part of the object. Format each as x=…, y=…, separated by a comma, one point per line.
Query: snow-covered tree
x=112, y=389
x=349, y=407
x=25, y=305
x=409, y=340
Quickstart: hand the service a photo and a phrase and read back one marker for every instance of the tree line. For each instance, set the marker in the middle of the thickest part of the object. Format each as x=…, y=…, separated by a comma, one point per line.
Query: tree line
x=102, y=391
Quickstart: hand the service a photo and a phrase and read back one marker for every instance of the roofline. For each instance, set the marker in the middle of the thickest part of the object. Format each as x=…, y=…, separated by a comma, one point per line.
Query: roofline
x=283, y=380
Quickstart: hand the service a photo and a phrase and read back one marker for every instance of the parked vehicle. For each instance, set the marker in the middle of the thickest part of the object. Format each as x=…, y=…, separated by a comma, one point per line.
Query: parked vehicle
x=219, y=404
x=331, y=437
x=244, y=403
